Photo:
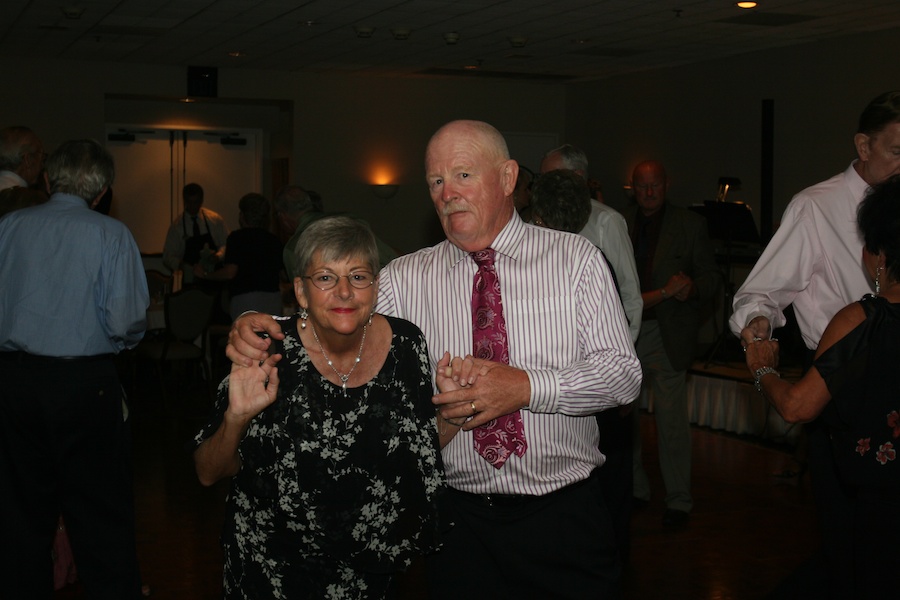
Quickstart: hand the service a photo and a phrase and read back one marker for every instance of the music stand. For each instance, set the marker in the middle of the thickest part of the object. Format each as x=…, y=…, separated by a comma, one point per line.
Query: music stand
x=728, y=222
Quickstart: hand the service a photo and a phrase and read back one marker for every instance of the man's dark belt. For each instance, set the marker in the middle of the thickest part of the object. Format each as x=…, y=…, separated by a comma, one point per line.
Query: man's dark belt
x=509, y=500
x=25, y=357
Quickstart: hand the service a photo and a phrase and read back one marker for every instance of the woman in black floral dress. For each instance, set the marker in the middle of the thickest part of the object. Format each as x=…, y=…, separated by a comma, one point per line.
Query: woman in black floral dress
x=334, y=454
x=854, y=384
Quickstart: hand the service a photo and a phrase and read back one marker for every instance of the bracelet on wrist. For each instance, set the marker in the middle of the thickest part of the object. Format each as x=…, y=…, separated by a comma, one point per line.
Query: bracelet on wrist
x=442, y=429
x=760, y=373
x=663, y=293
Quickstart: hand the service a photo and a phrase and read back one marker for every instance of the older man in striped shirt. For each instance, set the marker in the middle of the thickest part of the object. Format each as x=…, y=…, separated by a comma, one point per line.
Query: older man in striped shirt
x=536, y=525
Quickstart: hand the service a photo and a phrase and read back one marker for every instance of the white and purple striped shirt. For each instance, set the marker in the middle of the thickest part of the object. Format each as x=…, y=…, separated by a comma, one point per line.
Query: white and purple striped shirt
x=566, y=329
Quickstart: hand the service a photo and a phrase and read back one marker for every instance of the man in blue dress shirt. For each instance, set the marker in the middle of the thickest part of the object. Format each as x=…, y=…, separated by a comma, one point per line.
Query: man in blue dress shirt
x=74, y=294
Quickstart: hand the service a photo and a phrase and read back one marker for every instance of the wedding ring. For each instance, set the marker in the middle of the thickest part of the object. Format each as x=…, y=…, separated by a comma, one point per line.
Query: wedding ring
x=473, y=407
x=757, y=339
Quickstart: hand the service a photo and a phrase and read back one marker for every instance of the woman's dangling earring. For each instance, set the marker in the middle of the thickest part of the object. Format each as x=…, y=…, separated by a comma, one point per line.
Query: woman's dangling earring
x=371, y=314
x=878, y=280
x=303, y=317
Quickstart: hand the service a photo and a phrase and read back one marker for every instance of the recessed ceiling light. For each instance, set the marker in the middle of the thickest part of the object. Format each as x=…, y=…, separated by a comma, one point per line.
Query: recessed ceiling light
x=400, y=33
x=746, y=4
x=73, y=12
x=518, y=41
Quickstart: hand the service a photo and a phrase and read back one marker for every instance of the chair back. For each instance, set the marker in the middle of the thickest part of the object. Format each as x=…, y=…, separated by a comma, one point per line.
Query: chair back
x=158, y=283
x=188, y=314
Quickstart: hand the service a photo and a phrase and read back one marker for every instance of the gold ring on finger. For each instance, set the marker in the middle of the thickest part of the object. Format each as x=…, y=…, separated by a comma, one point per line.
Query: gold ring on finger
x=473, y=407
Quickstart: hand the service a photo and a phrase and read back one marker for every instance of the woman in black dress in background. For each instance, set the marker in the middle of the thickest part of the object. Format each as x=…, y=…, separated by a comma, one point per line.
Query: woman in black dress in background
x=854, y=384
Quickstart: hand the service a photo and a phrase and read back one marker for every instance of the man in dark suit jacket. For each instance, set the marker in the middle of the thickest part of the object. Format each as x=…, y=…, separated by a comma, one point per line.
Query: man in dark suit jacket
x=678, y=273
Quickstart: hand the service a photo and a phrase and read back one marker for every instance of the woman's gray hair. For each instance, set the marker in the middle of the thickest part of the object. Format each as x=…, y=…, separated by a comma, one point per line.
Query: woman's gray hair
x=335, y=238
x=81, y=168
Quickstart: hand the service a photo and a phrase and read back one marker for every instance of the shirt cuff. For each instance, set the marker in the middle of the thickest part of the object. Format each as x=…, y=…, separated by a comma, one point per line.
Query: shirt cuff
x=753, y=315
x=544, y=391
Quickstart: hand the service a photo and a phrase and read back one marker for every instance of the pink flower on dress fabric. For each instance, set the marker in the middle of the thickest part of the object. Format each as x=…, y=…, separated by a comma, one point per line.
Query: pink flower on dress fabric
x=893, y=421
x=886, y=453
x=862, y=446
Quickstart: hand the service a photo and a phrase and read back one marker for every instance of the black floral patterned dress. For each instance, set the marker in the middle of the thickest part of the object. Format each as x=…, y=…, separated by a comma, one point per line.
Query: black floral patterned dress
x=336, y=493
x=863, y=419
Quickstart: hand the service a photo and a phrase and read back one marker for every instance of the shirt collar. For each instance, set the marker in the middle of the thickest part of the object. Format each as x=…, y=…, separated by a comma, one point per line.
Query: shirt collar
x=858, y=186
x=508, y=242
x=13, y=176
x=63, y=198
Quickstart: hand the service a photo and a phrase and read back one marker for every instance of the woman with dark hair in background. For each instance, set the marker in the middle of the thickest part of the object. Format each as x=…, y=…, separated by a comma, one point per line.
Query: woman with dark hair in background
x=854, y=384
x=252, y=263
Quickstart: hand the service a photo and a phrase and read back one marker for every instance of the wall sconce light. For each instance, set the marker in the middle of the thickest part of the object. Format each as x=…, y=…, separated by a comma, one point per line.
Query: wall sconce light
x=451, y=37
x=364, y=32
x=385, y=191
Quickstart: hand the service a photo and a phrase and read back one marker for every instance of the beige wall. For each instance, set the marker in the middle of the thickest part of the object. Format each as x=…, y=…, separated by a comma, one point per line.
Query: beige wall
x=702, y=120
x=342, y=128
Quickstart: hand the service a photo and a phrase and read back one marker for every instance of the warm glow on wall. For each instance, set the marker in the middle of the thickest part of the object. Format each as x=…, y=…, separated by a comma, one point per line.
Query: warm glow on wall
x=381, y=175
x=382, y=180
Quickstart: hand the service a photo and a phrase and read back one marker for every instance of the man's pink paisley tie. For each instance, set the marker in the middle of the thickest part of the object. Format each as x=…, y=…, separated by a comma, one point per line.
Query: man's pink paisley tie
x=497, y=439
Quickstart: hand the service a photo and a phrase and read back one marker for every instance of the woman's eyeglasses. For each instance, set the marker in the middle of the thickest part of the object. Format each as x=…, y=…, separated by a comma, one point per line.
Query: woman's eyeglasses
x=326, y=280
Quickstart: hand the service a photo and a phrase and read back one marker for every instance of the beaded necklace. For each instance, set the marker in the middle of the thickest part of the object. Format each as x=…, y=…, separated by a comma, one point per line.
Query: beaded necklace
x=343, y=377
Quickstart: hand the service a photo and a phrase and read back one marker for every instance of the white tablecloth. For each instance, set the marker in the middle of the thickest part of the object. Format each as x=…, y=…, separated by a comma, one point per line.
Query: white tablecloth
x=731, y=405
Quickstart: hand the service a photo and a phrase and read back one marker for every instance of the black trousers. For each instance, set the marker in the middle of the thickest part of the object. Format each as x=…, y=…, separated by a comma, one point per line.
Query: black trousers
x=617, y=473
x=65, y=449
x=557, y=546
x=827, y=574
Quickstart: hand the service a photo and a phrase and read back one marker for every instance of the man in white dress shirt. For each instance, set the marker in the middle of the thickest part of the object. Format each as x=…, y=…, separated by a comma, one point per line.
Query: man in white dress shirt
x=607, y=230
x=814, y=261
x=197, y=235
x=536, y=526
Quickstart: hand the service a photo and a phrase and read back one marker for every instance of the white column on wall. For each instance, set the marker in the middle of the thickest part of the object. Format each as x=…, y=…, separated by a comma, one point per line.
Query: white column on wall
x=152, y=169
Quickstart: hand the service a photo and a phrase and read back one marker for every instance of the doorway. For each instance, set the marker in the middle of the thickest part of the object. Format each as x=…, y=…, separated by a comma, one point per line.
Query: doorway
x=153, y=164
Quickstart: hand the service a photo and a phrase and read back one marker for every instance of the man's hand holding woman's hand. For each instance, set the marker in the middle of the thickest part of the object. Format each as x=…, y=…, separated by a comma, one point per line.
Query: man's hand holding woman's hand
x=479, y=390
x=245, y=346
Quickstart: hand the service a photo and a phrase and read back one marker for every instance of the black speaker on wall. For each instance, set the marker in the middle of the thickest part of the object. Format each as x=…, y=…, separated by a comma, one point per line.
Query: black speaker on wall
x=202, y=82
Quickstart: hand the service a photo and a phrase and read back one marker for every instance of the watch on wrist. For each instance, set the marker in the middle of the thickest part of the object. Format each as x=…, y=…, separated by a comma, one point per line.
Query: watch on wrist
x=759, y=373
x=662, y=291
